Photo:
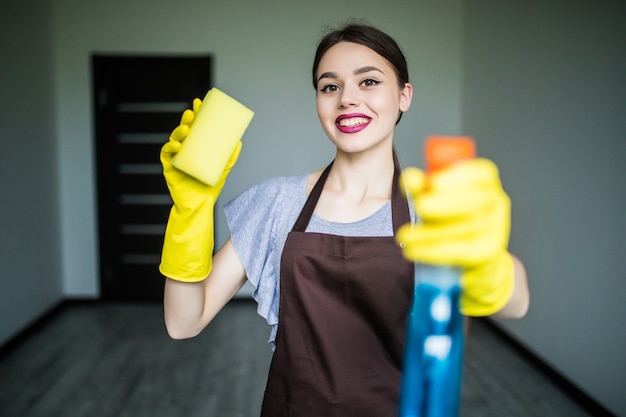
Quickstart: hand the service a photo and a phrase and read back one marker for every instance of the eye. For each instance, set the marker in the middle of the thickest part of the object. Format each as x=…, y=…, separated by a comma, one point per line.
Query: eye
x=369, y=82
x=329, y=88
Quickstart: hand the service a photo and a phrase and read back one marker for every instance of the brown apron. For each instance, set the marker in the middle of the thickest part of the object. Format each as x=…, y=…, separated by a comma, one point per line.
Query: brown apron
x=344, y=303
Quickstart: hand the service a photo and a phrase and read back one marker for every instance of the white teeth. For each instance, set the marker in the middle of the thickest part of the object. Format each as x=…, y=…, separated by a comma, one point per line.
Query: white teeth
x=353, y=121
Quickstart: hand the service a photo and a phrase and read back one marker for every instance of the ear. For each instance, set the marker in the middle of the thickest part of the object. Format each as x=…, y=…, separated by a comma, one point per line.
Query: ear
x=406, y=94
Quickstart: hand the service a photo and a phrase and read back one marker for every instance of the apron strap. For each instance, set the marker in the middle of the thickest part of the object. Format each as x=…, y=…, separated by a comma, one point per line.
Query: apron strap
x=399, y=208
x=311, y=202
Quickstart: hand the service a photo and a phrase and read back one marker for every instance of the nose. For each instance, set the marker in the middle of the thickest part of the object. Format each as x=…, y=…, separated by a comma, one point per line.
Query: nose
x=349, y=96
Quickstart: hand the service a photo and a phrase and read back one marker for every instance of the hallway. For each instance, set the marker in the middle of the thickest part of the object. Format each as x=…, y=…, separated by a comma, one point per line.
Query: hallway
x=116, y=360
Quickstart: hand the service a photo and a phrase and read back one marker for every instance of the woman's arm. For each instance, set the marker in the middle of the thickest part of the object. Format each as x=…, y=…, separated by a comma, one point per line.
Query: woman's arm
x=190, y=306
x=517, y=306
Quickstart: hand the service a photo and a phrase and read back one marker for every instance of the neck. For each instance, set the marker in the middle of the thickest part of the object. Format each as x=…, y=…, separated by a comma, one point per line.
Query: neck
x=360, y=177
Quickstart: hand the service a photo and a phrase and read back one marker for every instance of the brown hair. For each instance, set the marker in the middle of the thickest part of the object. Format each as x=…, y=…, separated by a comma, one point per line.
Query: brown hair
x=375, y=39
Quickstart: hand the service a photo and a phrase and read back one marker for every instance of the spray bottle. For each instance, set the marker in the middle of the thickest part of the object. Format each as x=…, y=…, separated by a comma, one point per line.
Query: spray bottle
x=433, y=359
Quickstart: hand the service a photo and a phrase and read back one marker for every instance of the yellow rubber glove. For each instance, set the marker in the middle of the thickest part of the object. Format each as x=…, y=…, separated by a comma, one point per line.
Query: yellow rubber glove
x=465, y=222
x=188, y=245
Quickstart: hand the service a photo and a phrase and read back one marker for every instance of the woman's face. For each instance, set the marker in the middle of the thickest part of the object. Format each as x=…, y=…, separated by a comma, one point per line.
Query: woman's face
x=358, y=97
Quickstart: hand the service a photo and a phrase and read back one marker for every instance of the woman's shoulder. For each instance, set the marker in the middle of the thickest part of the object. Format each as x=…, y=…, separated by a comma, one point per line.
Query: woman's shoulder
x=290, y=187
x=271, y=194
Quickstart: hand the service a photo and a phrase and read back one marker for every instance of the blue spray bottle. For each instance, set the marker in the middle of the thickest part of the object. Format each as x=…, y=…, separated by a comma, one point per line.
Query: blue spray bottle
x=433, y=359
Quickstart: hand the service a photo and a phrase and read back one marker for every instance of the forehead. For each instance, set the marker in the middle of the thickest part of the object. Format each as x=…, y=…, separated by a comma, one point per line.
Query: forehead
x=346, y=56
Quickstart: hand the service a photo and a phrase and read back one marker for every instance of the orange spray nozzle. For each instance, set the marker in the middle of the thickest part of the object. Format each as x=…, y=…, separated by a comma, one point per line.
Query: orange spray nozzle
x=443, y=151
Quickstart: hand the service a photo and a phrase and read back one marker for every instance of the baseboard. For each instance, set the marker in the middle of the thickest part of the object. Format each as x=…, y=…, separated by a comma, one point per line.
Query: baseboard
x=40, y=321
x=583, y=399
x=572, y=390
x=48, y=315
x=31, y=328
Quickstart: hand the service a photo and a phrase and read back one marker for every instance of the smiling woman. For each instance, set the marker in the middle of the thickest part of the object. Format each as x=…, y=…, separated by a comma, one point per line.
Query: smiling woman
x=359, y=89
x=320, y=248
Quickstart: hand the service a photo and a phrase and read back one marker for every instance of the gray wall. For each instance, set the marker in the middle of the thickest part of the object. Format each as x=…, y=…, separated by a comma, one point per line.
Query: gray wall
x=540, y=87
x=545, y=94
x=263, y=57
x=30, y=233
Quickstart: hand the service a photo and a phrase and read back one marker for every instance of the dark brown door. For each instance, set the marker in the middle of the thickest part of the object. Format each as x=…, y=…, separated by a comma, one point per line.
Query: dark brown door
x=138, y=100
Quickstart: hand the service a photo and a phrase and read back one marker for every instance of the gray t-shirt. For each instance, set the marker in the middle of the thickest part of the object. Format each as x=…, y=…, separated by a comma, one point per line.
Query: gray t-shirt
x=260, y=219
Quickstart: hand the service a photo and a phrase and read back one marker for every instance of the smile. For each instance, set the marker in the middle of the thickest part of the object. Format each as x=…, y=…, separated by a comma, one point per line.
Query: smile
x=352, y=123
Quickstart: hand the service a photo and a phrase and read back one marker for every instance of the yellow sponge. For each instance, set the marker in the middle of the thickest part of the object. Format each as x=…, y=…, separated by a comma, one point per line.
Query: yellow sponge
x=219, y=124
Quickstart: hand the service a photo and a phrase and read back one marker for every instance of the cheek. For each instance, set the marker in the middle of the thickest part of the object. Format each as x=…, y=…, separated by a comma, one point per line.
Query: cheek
x=318, y=108
x=323, y=109
x=388, y=103
x=326, y=117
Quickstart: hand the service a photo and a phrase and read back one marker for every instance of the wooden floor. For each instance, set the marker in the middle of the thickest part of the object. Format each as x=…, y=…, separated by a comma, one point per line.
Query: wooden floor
x=103, y=360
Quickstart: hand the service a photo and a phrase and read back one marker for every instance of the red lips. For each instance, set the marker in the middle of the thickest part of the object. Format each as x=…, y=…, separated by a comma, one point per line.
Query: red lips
x=352, y=123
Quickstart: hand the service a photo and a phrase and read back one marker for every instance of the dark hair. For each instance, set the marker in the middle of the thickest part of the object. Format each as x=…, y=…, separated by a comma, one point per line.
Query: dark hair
x=375, y=39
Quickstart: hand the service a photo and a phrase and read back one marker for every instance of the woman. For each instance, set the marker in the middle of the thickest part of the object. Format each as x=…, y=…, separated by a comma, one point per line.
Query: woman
x=321, y=246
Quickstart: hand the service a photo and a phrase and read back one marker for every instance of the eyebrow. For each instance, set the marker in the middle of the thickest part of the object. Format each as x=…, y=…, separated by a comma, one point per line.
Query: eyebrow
x=358, y=71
